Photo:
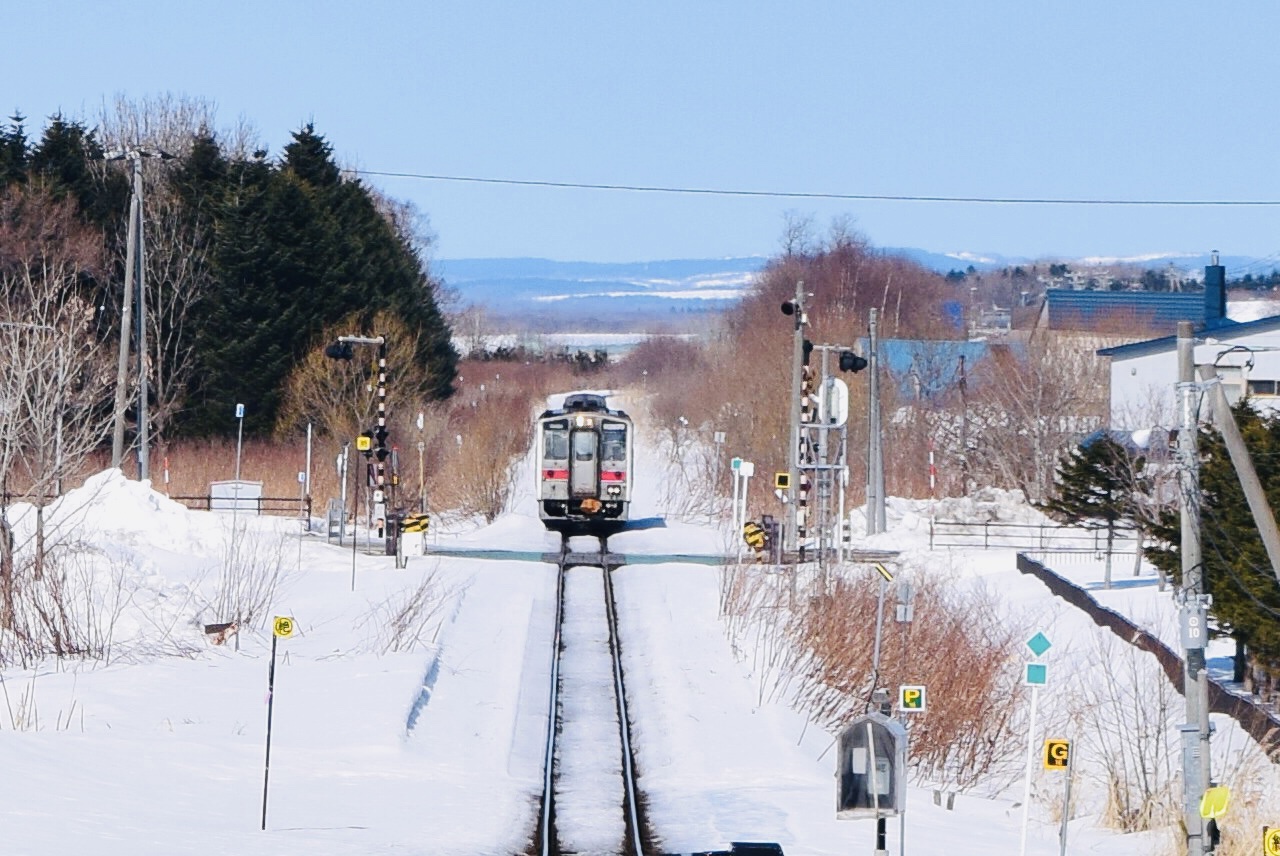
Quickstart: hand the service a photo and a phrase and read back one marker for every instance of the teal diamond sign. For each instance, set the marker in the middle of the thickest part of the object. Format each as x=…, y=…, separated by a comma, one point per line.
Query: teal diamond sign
x=1039, y=644
x=1037, y=675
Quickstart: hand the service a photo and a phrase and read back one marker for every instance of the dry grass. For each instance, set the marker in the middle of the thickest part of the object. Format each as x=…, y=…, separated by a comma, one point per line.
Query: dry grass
x=812, y=643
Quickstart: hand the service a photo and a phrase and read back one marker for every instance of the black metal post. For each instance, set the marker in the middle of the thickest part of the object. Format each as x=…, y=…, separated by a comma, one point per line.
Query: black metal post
x=266, y=769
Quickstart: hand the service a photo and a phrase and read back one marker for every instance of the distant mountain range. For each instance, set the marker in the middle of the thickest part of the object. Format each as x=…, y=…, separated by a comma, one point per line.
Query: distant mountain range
x=545, y=295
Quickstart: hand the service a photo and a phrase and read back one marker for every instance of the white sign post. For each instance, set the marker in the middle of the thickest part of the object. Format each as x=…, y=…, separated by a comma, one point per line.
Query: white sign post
x=1035, y=676
x=742, y=471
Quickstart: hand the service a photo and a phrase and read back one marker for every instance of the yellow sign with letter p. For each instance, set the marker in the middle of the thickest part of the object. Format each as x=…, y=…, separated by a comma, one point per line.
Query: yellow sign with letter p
x=911, y=699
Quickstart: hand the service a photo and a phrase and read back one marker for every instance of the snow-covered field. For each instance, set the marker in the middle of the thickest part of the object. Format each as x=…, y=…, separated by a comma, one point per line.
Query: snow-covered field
x=437, y=749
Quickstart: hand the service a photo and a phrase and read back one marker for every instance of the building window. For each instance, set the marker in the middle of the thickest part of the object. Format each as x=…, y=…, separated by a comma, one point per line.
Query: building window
x=1262, y=387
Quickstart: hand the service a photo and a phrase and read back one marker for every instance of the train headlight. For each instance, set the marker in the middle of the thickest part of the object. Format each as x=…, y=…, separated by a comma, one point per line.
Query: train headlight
x=615, y=490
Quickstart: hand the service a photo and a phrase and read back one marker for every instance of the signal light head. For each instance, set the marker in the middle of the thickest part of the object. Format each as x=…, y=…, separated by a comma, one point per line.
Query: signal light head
x=789, y=308
x=851, y=362
x=339, y=351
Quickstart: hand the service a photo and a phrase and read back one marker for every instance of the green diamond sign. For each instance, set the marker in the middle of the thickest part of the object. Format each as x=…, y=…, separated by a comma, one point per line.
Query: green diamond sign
x=1039, y=644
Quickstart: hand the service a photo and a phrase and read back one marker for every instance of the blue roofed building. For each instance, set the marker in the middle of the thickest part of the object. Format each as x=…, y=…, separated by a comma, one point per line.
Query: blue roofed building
x=1143, y=375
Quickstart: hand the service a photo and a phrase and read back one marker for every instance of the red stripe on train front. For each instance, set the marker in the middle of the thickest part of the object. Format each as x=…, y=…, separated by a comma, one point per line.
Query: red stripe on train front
x=561, y=475
x=612, y=476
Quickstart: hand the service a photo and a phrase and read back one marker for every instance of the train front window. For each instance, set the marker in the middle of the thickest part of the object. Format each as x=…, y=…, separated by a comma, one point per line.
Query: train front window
x=613, y=443
x=555, y=445
x=584, y=446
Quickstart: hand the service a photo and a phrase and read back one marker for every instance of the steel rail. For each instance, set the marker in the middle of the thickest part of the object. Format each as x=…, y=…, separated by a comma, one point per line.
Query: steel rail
x=620, y=694
x=603, y=559
x=547, y=817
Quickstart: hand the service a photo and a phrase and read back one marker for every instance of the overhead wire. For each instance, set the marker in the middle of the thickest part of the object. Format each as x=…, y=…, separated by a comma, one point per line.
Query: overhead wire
x=797, y=194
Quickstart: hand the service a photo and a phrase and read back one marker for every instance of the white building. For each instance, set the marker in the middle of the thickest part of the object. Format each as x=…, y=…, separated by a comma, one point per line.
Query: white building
x=1144, y=375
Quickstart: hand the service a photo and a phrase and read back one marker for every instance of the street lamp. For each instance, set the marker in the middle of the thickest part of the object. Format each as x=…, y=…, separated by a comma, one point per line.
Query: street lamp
x=134, y=289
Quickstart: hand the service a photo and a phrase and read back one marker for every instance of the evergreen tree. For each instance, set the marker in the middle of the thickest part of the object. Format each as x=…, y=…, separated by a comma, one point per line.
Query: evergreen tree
x=298, y=249
x=13, y=152
x=271, y=249
x=64, y=161
x=1236, y=569
x=1096, y=485
x=374, y=268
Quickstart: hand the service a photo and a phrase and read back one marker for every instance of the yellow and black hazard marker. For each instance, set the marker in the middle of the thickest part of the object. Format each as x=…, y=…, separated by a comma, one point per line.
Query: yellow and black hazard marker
x=415, y=523
x=753, y=533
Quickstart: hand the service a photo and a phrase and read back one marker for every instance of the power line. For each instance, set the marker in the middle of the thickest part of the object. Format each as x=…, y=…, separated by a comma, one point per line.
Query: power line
x=790, y=194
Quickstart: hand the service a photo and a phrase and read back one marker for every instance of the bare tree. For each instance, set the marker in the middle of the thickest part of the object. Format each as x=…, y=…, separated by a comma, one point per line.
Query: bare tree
x=1029, y=405
x=178, y=236
x=340, y=397
x=54, y=378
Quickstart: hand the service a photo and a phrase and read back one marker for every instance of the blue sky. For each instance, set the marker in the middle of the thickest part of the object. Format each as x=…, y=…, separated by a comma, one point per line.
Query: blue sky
x=1080, y=100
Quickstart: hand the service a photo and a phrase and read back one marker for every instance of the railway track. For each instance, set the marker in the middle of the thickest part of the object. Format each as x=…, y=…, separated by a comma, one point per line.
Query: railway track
x=590, y=802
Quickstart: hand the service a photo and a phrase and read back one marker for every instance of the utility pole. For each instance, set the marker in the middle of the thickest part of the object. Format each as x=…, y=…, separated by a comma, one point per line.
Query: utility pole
x=135, y=288
x=875, y=455
x=795, y=309
x=964, y=431
x=1195, y=747
x=822, y=474
x=126, y=320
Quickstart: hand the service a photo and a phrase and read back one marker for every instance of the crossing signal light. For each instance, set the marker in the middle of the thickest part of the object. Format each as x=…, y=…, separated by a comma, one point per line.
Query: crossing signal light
x=808, y=349
x=339, y=351
x=851, y=362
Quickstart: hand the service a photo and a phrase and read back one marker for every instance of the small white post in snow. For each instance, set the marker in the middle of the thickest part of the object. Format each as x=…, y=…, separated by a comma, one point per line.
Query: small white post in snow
x=1031, y=750
x=1035, y=676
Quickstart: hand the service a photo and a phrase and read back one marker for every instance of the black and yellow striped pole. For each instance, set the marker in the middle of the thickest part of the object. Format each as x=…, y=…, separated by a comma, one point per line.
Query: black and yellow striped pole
x=282, y=628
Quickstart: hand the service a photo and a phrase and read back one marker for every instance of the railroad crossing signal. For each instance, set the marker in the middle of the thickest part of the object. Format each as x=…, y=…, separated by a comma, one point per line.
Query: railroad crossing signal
x=911, y=699
x=415, y=523
x=755, y=536
x=1057, y=754
x=283, y=626
x=782, y=481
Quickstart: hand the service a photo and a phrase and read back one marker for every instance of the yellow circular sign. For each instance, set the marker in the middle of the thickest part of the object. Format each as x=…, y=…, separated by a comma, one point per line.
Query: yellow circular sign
x=283, y=626
x=1271, y=841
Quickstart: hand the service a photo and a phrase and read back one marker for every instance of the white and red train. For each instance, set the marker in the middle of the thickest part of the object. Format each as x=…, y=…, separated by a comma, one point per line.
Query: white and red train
x=585, y=464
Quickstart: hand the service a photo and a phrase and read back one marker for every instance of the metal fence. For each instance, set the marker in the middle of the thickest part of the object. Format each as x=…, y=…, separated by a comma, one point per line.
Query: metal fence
x=1028, y=536
x=279, y=505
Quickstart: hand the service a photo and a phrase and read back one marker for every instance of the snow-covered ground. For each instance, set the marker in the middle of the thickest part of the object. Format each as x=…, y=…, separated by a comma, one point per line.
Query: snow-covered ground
x=437, y=749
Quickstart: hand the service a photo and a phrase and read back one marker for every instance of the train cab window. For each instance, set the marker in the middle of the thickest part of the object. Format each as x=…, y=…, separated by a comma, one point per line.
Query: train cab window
x=584, y=446
x=614, y=443
x=555, y=445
